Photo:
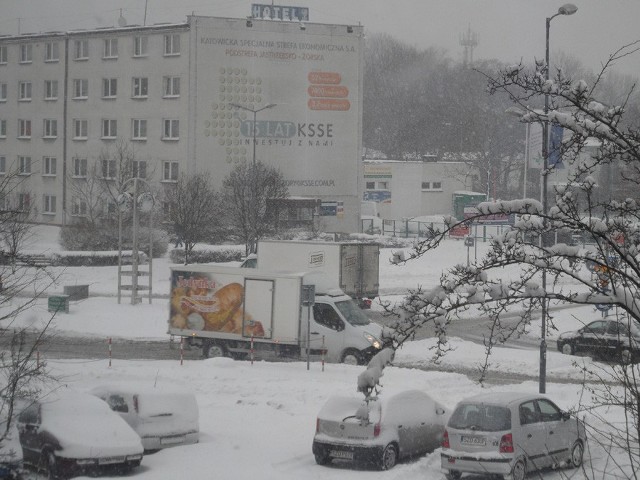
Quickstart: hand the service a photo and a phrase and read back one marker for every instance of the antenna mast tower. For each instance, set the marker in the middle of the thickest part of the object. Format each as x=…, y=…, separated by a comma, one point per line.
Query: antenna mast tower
x=469, y=40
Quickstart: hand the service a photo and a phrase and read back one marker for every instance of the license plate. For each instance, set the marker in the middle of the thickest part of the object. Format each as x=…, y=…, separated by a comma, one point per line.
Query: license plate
x=471, y=440
x=110, y=460
x=341, y=454
x=172, y=440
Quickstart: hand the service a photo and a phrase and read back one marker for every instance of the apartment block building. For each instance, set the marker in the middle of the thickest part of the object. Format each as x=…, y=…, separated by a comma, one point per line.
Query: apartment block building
x=191, y=97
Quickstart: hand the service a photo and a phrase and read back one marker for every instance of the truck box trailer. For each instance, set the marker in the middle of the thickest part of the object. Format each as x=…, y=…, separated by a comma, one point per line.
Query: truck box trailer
x=355, y=267
x=231, y=311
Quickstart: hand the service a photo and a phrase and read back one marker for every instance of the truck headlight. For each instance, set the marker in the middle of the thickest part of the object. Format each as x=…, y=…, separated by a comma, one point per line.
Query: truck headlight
x=373, y=340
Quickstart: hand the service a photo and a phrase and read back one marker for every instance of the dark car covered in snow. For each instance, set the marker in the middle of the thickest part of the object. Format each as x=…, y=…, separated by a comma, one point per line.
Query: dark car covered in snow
x=606, y=339
x=378, y=432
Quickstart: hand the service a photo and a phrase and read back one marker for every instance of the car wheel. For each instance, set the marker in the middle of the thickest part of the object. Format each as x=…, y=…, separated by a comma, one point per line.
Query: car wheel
x=322, y=458
x=453, y=475
x=389, y=457
x=213, y=350
x=577, y=451
x=626, y=357
x=351, y=357
x=518, y=471
x=568, y=349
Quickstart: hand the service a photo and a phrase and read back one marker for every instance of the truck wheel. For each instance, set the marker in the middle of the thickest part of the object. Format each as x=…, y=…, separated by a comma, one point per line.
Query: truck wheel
x=213, y=350
x=351, y=357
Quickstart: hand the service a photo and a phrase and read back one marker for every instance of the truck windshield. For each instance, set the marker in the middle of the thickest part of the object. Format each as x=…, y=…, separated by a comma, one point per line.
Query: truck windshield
x=352, y=313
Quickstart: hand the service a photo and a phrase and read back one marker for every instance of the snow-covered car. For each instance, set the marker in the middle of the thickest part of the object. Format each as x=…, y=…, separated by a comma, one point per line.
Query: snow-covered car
x=69, y=433
x=163, y=417
x=10, y=450
x=379, y=432
x=510, y=434
x=608, y=339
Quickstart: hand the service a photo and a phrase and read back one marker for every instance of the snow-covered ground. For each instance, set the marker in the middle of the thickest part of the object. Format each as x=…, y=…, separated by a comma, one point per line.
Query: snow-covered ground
x=258, y=421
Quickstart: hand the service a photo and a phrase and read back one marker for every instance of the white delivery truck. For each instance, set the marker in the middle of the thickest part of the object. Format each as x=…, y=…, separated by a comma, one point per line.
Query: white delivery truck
x=231, y=311
x=354, y=267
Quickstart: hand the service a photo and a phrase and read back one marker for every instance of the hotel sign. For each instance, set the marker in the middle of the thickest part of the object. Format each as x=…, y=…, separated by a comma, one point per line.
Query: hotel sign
x=280, y=12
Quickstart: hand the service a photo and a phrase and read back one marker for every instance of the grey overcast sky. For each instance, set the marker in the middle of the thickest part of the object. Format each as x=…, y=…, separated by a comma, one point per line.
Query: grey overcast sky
x=508, y=30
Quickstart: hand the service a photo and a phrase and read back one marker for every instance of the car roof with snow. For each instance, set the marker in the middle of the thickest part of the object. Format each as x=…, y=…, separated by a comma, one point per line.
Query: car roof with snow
x=501, y=398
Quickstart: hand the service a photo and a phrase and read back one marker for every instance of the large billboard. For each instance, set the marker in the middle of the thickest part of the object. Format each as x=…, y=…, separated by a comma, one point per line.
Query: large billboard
x=301, y=83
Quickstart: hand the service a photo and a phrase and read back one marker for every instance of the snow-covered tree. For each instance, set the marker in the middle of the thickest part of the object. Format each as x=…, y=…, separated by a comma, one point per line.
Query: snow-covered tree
x=510, y=277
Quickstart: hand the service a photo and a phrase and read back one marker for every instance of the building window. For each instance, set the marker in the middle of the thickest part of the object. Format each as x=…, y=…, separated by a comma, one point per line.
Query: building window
x=81, y=50
x=140, y=46
x=24, y=202
x=139, y=169
x=108, y=169
x=170, y=172
x=24, y=165
x=140, y=87
x=109, y=87
x=172, y=44
x=80, y=167
x=3, y=164
x=431, y=185
x=109, y=128
x=48, y=204
x=370, y=186
x=50, y=128
x=80, y=129
x=139, y=129
x=3, y=92
x=110, y=48
x=26, y=50
x=24, y=128
x=171, y=130
x=49, y=166
x=171, y=87
x=24, y=91
x=3, y=55
x=51, y=52
x=78, y=207
x=3, y=129
x=50, y=89
x=80, y=88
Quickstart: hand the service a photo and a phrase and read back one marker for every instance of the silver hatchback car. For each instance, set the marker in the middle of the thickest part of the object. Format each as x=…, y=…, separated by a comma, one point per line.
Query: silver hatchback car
x=510, y=434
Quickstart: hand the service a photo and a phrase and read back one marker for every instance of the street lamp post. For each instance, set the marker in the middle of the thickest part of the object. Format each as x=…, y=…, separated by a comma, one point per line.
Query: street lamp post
x=255, y=114
x=566, y=9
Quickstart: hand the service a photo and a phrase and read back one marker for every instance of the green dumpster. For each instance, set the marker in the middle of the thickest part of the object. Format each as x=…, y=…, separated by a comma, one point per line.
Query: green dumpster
x=58, y=303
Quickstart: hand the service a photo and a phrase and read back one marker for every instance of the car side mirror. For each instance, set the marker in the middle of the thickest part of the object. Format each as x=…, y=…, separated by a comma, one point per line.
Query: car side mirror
x=440, y=411
x=566, y=416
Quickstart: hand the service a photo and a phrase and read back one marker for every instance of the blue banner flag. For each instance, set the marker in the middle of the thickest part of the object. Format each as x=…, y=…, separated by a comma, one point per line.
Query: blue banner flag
x=555, y=146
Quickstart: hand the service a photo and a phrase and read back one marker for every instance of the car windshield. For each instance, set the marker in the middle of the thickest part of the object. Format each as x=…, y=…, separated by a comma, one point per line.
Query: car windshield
x=352, y=313
x=477, y=416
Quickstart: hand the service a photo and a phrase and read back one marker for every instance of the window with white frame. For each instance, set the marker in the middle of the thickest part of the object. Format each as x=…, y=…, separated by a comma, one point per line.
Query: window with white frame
x=78, y=207
x=50, y=128
x=48, y=204
x=3, y=92
x=171, y=129
x=81, y=50
x=3, y=164
x=139, y=169
x=172, y=44
x=3, y=55
x=437, y=185
x=109, y=128
x=138, y=129
x=51, y=89
x=80, y=167
x=24, y=201
x=171, y=87
x=24, y=91
x=24, y=128
x=110, y=48
x=170, y=172
x=51, y=52
x=80, y=88
x=140, y=87
x=3, y=129
x=80, y=129
x=26, y=51
x=24, y=165
x=109, y=87
x=108, y=169
x=49, y=166
x=140, y=44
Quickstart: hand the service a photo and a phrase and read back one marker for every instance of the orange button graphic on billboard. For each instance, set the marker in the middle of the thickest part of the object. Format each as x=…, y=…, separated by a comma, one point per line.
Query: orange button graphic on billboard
x=331, y=91
x=324, y=78
x=334, y=104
